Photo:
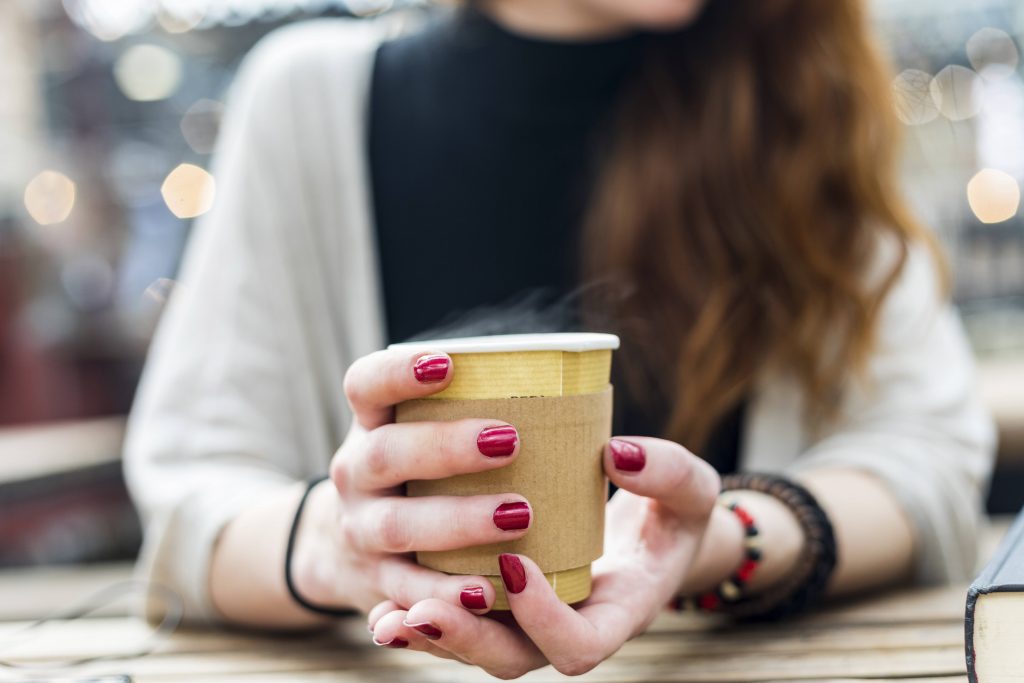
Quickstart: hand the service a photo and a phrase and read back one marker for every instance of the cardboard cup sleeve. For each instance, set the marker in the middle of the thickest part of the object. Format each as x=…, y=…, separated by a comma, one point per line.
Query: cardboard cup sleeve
x=558, y=470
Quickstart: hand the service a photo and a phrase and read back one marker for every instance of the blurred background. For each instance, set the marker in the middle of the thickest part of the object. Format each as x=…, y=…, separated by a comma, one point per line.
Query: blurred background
x=109, y=110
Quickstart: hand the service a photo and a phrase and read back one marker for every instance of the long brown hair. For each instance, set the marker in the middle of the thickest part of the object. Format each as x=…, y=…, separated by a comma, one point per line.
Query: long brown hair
x=750, y=181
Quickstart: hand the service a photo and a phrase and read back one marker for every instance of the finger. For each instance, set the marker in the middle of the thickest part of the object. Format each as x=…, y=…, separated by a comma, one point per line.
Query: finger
x=392, y=631
x=665, y=471
x=396, y=453
x=401, y=525
x=495, y=647
x=572, y=642
x=379, y=610
x=407, y=583
x=377, y=382
x=389, y=631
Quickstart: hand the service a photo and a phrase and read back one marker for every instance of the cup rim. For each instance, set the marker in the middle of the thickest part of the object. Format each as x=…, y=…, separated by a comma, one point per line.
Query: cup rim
x=575, y=342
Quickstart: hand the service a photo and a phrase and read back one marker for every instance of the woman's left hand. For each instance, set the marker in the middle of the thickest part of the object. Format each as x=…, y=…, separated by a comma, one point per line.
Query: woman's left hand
x=654, y=527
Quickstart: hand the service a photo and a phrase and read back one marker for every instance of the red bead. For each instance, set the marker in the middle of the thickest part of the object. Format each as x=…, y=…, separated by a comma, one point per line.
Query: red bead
x=708, y=601
x=746, y=570
x=743, y=515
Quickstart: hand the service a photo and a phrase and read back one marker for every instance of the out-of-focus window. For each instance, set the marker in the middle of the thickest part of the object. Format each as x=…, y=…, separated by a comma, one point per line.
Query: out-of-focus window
x=108, y=115
x=960, y=94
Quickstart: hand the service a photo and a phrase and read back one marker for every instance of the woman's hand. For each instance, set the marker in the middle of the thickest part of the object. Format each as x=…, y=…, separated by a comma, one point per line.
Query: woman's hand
x=654, y=526
x=353, y=545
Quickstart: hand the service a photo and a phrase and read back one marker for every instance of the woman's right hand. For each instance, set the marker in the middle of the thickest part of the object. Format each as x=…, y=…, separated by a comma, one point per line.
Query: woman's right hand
x=355, y=542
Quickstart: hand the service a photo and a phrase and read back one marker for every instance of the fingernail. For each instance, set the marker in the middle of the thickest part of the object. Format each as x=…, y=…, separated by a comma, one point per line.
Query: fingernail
x=497, y=442
x=426, y=628
x=472, y=597
x=513, y=573
x=627, y=456
x=394, y=642
x=431, y=369
x=512, y=516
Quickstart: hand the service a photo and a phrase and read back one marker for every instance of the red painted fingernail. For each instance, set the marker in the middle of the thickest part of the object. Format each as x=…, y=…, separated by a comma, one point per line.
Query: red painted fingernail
x=627, y=456
x=394, y=642
x=431, y=369
x=512, y=516
x=513, y=573
x=426, y=628
x=497, y=442
x=472, y=597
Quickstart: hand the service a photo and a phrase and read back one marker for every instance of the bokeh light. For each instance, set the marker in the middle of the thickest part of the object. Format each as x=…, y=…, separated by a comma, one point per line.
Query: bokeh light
x=913, y=99
x=110, y=19
x=992, y=53
x=955, y=91
x=147, y=73
x=188, y=191
x=49, y=197
x=993, y=195
x=179, y=16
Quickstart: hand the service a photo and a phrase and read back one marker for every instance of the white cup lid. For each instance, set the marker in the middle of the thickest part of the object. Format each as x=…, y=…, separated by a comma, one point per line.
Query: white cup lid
x=560, y=341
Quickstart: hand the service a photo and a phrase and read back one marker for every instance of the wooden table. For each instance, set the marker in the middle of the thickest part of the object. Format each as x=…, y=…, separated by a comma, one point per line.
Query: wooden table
x=908, y=634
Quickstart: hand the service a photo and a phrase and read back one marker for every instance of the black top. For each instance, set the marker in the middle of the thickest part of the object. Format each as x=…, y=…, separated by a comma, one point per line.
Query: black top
x=482, y=146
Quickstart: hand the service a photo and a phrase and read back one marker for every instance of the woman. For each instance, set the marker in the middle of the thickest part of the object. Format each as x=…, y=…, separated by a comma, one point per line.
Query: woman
x=725, y=172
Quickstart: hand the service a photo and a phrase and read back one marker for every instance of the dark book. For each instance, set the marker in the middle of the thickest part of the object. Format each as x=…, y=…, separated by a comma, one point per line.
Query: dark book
x=995, y=613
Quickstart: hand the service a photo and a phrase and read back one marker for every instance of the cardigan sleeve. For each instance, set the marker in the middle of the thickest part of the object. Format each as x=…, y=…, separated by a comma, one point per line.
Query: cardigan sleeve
x=228, y=406
x=917, y=423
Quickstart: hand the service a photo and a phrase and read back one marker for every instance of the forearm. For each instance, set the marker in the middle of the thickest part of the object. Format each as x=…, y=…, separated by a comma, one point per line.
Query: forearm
x=247, y=570
x=873, y=536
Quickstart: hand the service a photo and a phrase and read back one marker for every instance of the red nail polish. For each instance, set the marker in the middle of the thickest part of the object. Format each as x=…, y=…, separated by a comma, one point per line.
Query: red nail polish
x=472, y=597
x=512, y=516
x=394, y=642
x=426, y=628
x=513, y=573
x=431, y=369
x=627, y=456
x=497, y=442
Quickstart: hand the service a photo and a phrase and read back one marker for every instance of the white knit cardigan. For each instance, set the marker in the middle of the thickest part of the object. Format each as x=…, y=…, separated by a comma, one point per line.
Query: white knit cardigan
x=279, y=293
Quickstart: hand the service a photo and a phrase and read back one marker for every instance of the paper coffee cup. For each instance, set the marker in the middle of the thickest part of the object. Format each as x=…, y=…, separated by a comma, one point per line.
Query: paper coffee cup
x=554, y=388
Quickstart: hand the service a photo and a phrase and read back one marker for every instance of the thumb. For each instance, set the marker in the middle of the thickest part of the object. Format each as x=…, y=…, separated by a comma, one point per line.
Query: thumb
x=665, y=471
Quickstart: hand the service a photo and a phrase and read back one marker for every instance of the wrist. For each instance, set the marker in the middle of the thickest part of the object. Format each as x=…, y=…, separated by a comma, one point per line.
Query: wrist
x=720, y=552
x=722, y=549
x=314, y=568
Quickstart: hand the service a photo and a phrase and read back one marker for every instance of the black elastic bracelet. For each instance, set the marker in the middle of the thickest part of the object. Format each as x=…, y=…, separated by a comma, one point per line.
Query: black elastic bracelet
x=292, y=533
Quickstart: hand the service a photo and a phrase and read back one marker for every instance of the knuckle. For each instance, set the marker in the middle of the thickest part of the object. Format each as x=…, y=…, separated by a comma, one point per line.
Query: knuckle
x=352, y=385
x=351, y=533
x=377, y=452
x=445, y=442
x=338, y=474
x=710, y=486
x=391, y=530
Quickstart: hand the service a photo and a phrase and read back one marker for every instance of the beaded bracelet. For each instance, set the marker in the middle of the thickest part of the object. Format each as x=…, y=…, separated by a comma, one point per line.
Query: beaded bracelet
x=731, y=589
x=814, y=566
